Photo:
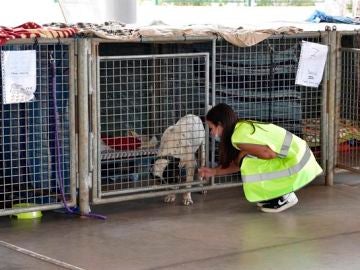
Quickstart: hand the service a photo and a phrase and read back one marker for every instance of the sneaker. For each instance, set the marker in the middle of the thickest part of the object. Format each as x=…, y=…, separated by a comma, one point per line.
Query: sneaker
x=281, y=204
x=260, y=204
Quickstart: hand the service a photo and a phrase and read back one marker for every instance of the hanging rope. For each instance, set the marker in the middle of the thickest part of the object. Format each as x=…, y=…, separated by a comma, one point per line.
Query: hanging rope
x=59, y=176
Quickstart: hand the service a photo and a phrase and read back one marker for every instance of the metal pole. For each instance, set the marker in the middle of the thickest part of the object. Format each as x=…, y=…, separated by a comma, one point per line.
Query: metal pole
x=324, y=112
x=83, y=109
x=329, y=176
x=338, y=90
x=73, y=123
x=62, y=11
x=213, y=101
x=95, y=117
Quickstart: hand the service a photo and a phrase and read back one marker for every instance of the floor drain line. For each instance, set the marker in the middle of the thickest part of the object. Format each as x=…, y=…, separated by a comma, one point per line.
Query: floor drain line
x=40, y=257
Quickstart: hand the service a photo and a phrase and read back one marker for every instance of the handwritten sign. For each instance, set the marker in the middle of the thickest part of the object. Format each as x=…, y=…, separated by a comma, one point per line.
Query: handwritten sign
x=18, y=69
x=311, y=64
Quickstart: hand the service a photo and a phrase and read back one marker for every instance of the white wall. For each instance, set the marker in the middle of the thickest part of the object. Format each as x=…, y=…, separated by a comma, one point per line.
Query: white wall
x=16, y=12
x=98, y=11
x=120, y=10
x=231, y=15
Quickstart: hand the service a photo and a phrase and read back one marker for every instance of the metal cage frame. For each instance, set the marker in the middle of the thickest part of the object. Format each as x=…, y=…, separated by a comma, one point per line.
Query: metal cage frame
x=124, y=195
x=347, y=103
x=38, y=44
x=239, y=77
x=223, y=182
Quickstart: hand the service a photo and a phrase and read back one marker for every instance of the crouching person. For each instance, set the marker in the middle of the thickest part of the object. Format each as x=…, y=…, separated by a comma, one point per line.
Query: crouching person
x=273, y=162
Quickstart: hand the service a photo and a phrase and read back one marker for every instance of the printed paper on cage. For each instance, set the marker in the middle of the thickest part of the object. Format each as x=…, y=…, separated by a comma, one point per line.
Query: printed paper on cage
x=311, y=64
x=18, y=69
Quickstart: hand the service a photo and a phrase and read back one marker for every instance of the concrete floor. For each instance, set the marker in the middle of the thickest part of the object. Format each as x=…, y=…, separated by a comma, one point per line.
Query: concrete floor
x=220, y=231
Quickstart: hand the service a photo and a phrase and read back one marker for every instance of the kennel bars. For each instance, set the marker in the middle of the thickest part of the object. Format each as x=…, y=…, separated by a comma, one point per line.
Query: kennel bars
x=37, y=142
x=260, y=77
x=139, y=97
x=259, y=83
x=250, y=77
x=347, y=104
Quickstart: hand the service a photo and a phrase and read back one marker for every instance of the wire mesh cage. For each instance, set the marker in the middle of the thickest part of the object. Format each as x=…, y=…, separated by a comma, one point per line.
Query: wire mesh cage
x=35, y=136
x=150, y=122
x=258, y=82
x=348, y=104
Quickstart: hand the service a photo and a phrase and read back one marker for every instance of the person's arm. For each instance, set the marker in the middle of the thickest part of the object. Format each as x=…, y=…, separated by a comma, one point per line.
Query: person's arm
x=259, y=151
x=240, y=156
x=207, y=172
x=218, y=171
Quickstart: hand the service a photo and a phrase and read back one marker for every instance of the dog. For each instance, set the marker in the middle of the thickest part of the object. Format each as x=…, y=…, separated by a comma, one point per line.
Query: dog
x=179, y=144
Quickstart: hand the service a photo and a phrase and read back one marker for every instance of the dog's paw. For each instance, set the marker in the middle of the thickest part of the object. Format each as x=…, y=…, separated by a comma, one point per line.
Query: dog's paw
x=170, y=198
x=187, y=199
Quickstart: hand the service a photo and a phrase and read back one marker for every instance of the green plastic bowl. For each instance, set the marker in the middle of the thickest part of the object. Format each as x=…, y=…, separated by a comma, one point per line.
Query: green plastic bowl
x=27, y=215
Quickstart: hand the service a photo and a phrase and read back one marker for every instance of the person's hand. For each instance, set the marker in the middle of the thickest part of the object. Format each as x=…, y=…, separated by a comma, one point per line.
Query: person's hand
x=206, y=172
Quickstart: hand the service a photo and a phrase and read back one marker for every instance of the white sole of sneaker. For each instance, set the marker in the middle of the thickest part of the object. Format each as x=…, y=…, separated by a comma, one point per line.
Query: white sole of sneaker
x=280, y=209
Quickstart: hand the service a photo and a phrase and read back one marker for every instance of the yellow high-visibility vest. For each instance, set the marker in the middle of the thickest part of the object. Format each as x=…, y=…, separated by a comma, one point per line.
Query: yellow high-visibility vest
x=263, y=179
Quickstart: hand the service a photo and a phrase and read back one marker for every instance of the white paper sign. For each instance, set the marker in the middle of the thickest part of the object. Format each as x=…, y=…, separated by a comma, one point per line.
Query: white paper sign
x=311, y=64
x=18, y=69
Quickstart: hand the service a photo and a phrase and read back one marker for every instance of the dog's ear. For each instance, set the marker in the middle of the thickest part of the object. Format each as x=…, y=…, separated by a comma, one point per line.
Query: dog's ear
x=159, y=167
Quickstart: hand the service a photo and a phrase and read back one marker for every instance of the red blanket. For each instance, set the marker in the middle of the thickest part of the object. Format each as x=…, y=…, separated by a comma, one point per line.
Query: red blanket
x=32, y=30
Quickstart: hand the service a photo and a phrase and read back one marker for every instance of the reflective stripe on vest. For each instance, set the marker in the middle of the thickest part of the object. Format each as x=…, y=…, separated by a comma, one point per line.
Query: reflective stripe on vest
x=279, y=174
x=286, y=145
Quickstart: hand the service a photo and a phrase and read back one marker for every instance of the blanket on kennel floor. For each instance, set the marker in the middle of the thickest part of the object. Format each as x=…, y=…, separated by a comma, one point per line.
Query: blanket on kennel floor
x=347, y=130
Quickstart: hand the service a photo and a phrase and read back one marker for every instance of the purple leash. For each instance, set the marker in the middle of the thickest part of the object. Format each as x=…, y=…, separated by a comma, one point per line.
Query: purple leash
x=60, y=179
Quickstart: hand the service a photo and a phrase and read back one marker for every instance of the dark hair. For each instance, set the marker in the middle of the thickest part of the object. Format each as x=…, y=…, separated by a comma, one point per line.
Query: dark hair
x=222, y=114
